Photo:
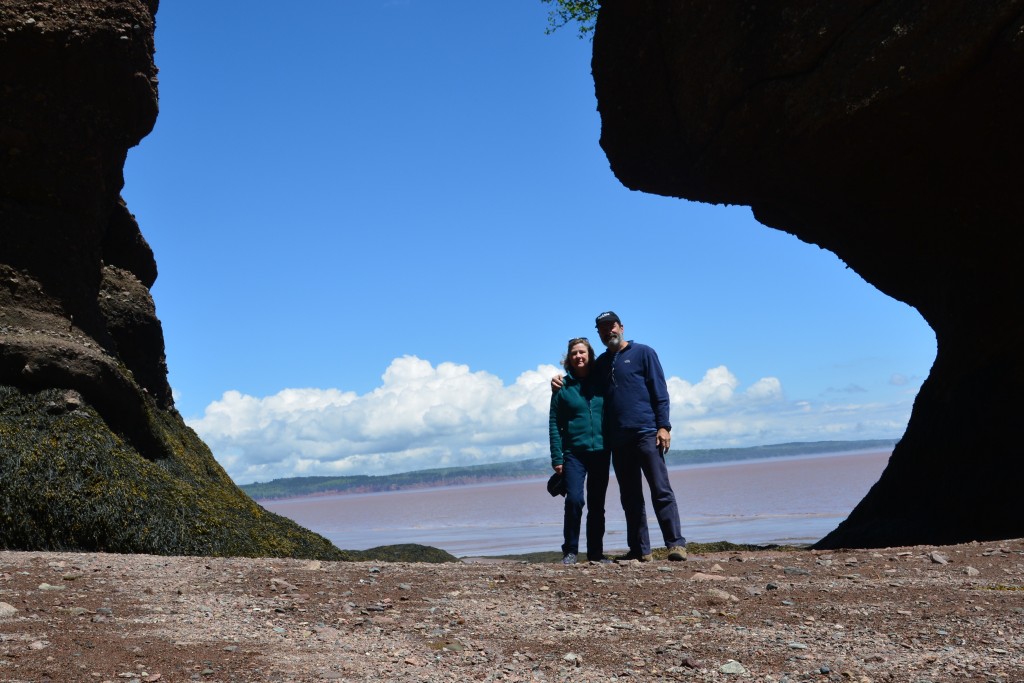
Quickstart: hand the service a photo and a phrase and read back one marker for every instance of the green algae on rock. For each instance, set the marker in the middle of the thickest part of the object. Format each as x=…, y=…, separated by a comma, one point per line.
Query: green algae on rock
x=67, y=482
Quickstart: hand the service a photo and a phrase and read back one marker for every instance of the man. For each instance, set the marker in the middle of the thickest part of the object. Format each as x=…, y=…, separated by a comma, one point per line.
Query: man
x=638, y=429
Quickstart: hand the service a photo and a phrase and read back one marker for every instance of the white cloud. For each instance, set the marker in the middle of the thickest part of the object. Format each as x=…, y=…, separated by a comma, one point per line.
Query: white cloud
x=420, y=417
x=717, y=390
x=424, y=416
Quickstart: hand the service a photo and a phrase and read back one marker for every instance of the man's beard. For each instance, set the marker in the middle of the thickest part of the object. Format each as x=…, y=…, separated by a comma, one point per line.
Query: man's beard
x=613, y=342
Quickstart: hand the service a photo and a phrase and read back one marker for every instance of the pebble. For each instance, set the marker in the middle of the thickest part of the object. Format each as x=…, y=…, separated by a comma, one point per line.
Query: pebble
x=276, y=584
x=717, y=595
x=938, y=558
x=732, y=667
x=7, y=611
x=701, y=576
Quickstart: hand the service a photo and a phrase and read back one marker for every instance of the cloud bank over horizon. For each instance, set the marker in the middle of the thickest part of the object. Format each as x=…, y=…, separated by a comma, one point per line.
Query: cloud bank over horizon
x=424, y=416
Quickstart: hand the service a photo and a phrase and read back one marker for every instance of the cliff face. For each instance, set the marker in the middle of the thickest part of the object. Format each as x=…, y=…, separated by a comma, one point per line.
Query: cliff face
x=889, y=133
x=93, y=455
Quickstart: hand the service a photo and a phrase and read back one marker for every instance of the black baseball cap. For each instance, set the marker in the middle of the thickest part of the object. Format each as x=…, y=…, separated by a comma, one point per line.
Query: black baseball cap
x=556, y=485
x=607, y=317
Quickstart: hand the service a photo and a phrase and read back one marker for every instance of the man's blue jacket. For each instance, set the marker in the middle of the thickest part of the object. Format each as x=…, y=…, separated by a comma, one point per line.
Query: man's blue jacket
x=635, y=392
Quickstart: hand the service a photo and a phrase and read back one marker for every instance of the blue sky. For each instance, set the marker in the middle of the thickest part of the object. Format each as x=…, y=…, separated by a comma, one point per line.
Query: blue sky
x=378, y=223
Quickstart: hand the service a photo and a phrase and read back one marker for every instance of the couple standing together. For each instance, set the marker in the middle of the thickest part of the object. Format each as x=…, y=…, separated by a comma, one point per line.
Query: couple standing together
x=613, y=408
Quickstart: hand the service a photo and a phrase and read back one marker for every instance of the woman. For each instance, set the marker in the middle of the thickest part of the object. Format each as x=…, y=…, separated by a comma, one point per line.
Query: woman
x=578, y=452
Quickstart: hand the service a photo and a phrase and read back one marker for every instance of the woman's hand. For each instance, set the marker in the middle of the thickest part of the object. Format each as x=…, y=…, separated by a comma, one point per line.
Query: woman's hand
x=556, y=383
x=559, y=468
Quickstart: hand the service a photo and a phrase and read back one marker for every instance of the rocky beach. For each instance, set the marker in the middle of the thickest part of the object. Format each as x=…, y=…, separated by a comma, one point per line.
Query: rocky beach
x=909, y=614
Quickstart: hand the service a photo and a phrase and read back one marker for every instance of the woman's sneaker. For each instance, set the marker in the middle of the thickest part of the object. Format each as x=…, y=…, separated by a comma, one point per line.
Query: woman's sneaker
x=569, y=558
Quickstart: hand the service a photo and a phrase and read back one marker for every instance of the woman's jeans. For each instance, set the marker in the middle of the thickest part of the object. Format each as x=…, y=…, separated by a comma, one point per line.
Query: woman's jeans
x=592, y=467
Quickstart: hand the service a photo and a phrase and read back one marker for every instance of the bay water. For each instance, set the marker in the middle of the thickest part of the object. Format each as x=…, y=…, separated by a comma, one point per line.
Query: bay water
x=774, y=500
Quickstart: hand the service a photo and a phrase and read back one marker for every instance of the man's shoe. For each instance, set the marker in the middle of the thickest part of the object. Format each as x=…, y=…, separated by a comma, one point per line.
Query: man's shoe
x=677, y=553
x=636, y=555
x=569, y=558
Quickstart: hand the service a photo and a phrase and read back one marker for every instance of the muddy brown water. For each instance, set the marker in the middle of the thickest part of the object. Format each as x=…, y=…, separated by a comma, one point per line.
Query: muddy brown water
x=778, y=500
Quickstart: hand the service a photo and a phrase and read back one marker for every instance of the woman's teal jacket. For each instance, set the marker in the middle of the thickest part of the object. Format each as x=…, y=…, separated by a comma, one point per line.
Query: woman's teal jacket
x=574, y=421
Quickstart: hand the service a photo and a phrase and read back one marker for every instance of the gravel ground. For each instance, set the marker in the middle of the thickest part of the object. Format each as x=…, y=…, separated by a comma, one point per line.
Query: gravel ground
x=952, y=613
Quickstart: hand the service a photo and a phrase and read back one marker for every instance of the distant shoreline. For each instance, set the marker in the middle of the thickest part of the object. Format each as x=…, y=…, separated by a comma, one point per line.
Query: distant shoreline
x=482, y=481
x=538, y=468
x=799, y=456
x=540, y=477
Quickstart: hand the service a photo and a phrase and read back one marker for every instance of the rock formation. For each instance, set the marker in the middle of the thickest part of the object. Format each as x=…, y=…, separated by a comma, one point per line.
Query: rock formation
x=890, y=133
x=93, y=455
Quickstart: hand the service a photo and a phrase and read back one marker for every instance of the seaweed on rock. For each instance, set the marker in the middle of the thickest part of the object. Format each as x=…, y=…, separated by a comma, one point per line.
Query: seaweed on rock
x=67, y=482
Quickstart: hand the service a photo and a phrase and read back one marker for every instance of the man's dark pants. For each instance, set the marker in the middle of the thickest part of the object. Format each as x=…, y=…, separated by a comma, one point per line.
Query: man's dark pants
x=592, y=466
x=637, y=453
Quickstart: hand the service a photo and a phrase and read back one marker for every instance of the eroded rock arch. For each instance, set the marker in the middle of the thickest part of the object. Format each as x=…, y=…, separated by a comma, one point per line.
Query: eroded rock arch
x=889, y=133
